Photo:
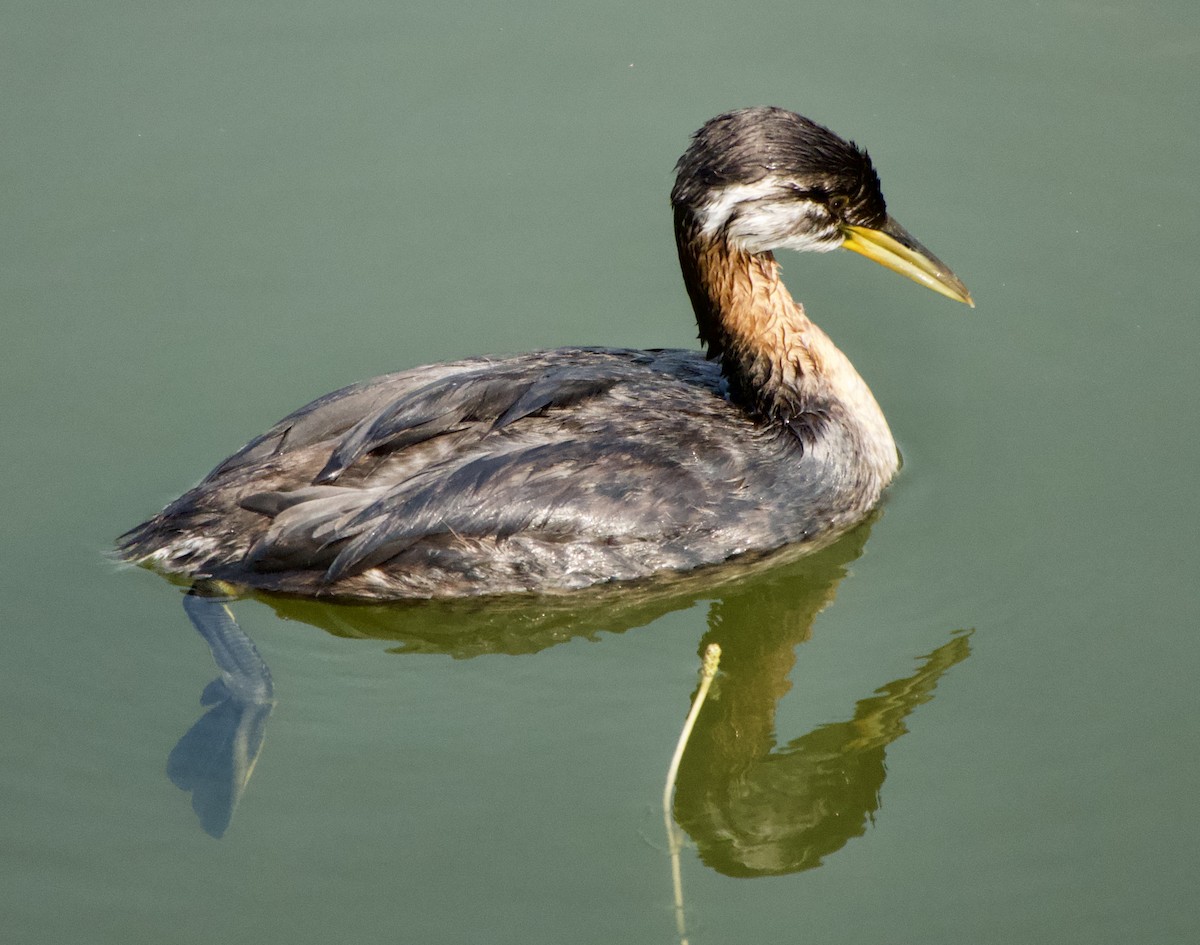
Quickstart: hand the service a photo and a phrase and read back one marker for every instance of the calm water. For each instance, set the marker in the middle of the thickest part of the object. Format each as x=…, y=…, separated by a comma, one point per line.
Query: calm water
x=213, y=213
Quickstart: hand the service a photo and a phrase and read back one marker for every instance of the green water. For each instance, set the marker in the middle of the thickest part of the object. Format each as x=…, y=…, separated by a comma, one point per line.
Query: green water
x=214, y=213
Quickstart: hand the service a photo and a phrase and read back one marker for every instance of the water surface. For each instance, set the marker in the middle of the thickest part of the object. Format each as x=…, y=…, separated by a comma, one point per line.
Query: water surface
x=214, y=214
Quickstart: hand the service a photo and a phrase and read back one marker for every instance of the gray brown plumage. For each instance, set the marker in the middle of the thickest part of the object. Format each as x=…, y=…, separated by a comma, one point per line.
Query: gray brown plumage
x=560, y=469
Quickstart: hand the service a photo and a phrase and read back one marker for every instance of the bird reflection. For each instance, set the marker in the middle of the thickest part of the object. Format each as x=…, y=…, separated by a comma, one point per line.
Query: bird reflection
x=755, y=811
x=751, y=808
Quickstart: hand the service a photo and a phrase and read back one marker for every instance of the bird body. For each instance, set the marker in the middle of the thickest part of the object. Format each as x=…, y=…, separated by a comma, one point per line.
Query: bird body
x=557, y=470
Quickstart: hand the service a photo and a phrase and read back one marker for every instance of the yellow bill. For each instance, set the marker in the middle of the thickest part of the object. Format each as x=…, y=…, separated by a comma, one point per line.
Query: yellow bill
x=894, y=247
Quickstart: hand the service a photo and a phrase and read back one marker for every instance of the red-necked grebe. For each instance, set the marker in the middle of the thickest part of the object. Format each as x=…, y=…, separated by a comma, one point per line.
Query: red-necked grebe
x=561, y=469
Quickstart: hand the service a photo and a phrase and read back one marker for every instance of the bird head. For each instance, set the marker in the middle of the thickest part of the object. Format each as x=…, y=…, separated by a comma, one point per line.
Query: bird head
x=764, y=178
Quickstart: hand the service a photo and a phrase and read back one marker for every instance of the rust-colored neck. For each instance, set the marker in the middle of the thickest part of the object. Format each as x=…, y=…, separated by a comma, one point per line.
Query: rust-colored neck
x=770, y=353
x=780, y=366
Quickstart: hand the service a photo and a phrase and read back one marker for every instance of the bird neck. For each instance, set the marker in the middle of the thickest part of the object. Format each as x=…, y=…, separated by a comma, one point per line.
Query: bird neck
x=780, y=366
x=771, y=354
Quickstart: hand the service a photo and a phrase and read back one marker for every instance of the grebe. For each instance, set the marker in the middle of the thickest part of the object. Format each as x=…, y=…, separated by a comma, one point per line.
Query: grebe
x=556, y=470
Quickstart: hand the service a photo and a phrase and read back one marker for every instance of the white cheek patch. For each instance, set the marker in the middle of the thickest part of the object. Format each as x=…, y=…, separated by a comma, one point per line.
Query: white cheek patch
x=799, y=225
x=766, y=215
x=714, y=215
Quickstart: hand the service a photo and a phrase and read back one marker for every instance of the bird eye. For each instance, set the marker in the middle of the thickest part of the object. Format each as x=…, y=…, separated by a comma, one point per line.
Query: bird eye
x=839, y=202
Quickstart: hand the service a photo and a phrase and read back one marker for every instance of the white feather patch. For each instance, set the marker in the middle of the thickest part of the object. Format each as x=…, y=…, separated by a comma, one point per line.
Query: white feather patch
x=768, y=215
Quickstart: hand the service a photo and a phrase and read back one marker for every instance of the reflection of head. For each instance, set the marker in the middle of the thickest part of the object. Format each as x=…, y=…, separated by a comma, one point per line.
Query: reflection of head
x=755, y=811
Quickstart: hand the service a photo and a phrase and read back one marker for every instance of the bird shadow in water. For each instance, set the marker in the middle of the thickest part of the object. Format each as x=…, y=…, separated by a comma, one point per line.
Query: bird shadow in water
x=751, y=807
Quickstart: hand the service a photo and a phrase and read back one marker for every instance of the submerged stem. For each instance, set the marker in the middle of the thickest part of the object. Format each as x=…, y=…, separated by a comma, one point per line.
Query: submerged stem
x=708, y=669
